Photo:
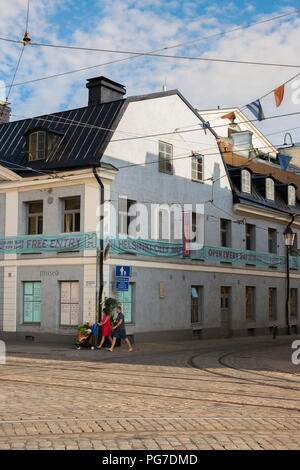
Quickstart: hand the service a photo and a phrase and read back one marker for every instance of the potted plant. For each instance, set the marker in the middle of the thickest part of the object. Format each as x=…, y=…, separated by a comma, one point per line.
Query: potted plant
x=83, y=330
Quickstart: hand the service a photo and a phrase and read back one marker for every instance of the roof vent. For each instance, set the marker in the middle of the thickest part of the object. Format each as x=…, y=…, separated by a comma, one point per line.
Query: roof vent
x=4, y=112
x=103, y=90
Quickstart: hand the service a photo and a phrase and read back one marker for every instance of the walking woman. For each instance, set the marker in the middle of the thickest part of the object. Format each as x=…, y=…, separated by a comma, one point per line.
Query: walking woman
x=120, y=331
x=106, y=330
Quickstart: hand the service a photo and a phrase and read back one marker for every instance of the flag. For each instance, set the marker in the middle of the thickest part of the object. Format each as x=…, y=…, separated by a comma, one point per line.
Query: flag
x=284, y=161
x=230, y=116
x=279, y=94
x=256, y=108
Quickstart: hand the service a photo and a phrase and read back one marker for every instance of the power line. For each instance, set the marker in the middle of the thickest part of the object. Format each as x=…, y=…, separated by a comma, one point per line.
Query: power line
x=137, y=54
x=145, y=136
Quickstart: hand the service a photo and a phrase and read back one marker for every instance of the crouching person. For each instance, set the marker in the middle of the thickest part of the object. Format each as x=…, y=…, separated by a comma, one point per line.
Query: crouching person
x=119, y=331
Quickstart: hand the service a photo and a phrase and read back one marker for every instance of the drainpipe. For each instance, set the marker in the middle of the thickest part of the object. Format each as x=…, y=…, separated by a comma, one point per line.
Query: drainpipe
x=287, y=306
x=101, y=248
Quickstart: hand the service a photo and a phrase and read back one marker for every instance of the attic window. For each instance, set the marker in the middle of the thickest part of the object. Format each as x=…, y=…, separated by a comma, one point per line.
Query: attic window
x=291, y=195
x=37, y=146
x=246, y=181
x=41, y=144
x=270, y=189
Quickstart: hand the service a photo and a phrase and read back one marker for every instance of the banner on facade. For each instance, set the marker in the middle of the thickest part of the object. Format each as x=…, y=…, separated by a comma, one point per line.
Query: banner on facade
x=156, y=248
x=35, y=244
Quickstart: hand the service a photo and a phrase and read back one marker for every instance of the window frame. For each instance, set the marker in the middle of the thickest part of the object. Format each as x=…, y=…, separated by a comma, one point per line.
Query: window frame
x=246, y=184
x=132, y=287
x=272, y=303
x=196, y=160
x=73, y=212
x=70, y=303
x=273, y=232
x=291, y=187
x=162, y=157
x=124, y=219
x=38, y=216
x=227, y=232
x=295, y=290
x=250, y=234
x=32, y=302
x=197, y=318
x=37, y=134
x=251, y=317
x=270, y=189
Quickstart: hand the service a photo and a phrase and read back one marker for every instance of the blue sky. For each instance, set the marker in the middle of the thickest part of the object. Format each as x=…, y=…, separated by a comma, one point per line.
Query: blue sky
x=143, y=25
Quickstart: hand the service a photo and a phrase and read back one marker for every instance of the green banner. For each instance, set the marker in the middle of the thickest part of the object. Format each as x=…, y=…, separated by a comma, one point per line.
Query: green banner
x=36, y=244
x=43, y=243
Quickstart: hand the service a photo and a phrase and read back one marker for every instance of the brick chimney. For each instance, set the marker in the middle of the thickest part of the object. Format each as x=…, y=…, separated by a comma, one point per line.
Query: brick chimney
x=103, y=90
x=4, y=112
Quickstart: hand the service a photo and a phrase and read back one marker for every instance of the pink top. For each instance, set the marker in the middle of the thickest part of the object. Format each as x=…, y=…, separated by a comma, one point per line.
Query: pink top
x=106, y=330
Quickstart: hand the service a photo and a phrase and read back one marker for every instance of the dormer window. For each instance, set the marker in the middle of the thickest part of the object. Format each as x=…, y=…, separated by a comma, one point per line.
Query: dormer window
x=246, y=181
x=291, y=195
x=41, y=144
x=37, y=146
x=270, y=189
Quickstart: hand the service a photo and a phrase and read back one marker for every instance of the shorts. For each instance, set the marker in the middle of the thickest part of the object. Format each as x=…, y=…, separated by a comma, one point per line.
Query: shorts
x=120, y=334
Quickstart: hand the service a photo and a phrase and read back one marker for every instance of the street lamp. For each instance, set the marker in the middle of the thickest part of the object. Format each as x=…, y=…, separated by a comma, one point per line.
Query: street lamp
x=289, y=238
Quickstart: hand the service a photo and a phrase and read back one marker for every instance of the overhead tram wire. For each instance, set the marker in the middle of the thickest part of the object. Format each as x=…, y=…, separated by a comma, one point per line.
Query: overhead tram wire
x=145, y=136
x=143, y=53
x=19, y=59
x=174, y=46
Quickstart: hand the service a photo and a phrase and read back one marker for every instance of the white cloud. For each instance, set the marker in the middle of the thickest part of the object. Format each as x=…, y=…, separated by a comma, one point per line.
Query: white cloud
x=139, y=25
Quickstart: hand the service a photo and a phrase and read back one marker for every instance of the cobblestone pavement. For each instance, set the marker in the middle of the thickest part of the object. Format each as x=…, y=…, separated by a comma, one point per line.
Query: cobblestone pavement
x=226, y=394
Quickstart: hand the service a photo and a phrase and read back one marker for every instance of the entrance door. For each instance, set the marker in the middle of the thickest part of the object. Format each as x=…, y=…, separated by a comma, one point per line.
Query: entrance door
x=226, y=311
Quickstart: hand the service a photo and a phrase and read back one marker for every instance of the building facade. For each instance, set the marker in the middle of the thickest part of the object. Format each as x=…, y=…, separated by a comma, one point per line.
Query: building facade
x=163, y=171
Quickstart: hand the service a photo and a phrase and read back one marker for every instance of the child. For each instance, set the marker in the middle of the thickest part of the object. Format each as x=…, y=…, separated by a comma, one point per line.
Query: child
x=106, y=330
x=120, y=331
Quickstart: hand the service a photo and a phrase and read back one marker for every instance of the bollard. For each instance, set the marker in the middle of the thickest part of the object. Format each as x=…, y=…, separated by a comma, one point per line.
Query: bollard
x=274, y=331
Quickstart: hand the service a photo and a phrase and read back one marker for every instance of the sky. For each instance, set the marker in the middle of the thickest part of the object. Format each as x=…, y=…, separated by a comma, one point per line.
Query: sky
x=145, y=25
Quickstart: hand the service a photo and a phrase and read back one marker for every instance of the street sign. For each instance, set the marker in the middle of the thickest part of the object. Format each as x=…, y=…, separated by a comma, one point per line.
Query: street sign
x=122, y=278
x=122, y=271
x=122, y=284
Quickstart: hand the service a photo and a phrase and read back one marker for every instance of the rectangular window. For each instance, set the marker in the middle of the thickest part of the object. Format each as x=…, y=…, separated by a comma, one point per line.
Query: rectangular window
x=165, y=158
x=294, y=248
x=250, y=303
x=126, y=302
x=197, y=304
x=270, y=189
x=293, y=303
x=35, y=218
x=69, y=303
x=126, y=215
x=197, y=168
x=32, y=297
x=272, y=240
x=250, y=237
x=37, y=146
x=272, y=303
x=225, y=232
x=71, y=214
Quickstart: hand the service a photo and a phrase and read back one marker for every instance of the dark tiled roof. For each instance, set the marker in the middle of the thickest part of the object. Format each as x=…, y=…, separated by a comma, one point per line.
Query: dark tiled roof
x=257, y=197
x=85, y=134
